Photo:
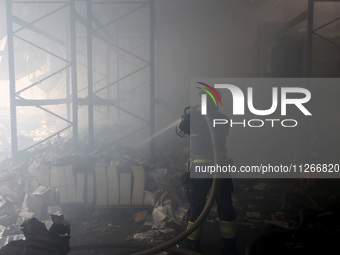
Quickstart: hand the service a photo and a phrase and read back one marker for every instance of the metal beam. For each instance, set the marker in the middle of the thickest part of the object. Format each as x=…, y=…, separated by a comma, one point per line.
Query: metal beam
x=11, y=70
x=118, y=18
x=118, y=70
x=97, y=101
x=90, y=71
x=328, y=40
x=42, y=17
x=38, y=31
x=120, y=48
x=74, y=74
x=82, y=20
x=310, y=33
x=122, y=78
x=152, y=77
x=40, y=2
x=121, y=2
x=111, y=102
x=68, y=94
x=39, y=102
x=42, y=80
x=108, y=90
x=42, y=49
x=326, y=24
x=140, y=85
x=48, y=111
x=293, y=22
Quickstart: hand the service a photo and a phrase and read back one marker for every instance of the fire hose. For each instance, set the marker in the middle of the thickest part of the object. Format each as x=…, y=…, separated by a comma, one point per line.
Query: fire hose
x=204, y=212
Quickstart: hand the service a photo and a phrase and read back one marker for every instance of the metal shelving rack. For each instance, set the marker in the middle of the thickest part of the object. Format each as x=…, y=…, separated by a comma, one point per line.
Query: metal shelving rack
x=308, y=15
x=100, y=39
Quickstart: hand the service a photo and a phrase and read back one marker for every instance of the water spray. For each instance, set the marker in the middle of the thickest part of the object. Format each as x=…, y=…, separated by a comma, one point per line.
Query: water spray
x=147, y=140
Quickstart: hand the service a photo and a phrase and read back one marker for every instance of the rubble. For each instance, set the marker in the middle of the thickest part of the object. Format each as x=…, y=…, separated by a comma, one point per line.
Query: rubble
x=158, y=175
x=150, y=198
x=158, y=235
x=2, y=230
x=27, y=185
x=8, y=193
x=158, y=225
x=7, y=239
x=279, y=219
x=140, y=216
x=159, y=213
x=5, y=219
x=38, y=240
x=2, y=202
x=55, y=209
x=181, y=213
x=32, y=205
x=260, y=186
x=12, y=230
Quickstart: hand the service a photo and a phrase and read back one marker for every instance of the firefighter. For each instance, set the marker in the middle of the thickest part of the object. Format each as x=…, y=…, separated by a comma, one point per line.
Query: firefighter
x=193, y=124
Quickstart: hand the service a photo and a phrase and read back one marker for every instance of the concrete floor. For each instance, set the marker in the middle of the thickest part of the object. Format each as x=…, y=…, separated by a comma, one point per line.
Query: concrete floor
x=114, y=226
x=98, y=233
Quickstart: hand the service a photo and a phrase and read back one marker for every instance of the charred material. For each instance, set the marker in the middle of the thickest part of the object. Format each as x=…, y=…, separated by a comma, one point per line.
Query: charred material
x=39, y=240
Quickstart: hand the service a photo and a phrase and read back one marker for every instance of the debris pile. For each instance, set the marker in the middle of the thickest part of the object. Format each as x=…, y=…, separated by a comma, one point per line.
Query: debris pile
x=42, y=182
x=40, y=240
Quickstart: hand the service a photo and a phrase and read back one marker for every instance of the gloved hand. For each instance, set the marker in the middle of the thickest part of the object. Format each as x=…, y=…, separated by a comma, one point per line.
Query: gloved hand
x=185, y=124
x=183, y=129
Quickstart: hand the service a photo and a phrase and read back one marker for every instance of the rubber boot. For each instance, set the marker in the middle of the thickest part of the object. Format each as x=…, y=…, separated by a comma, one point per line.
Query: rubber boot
x=193, y=245
x=229, y=246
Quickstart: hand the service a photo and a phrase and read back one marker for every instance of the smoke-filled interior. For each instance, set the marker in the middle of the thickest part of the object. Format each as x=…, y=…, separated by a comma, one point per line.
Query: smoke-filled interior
x=92, y=93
